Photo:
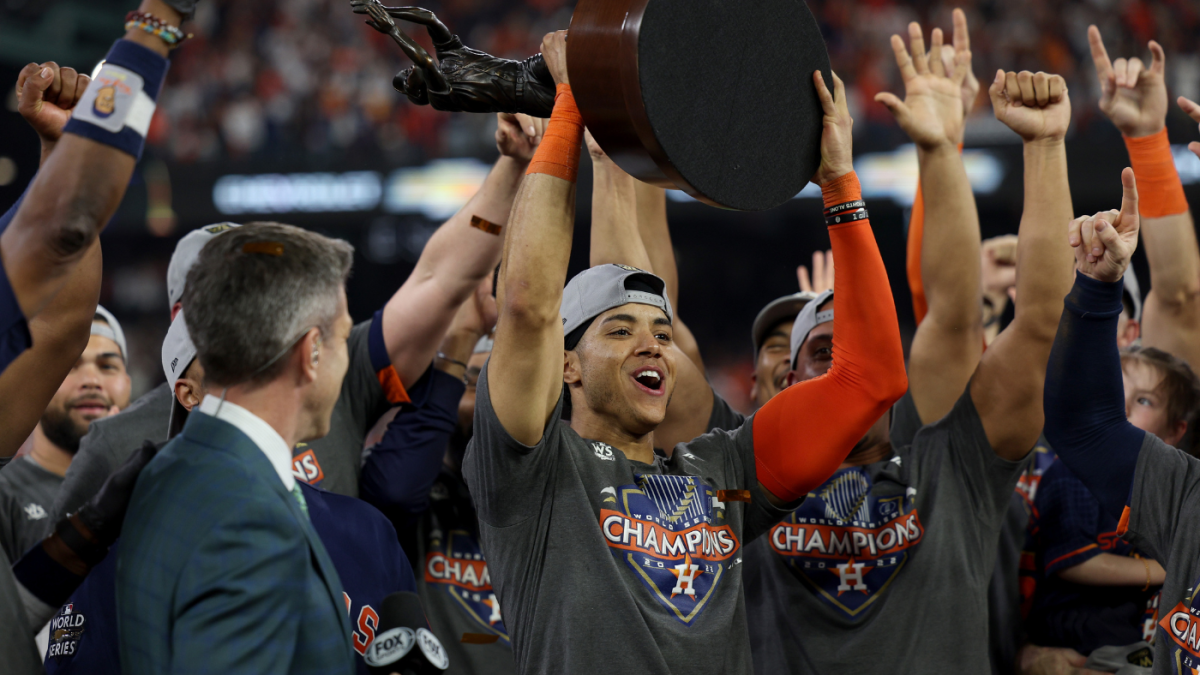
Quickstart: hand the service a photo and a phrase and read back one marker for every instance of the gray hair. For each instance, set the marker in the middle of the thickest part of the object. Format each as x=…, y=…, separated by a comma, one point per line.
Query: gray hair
x=254, y=291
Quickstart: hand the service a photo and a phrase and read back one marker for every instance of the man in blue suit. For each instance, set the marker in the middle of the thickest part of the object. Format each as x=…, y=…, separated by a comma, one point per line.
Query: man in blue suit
x=219, y=569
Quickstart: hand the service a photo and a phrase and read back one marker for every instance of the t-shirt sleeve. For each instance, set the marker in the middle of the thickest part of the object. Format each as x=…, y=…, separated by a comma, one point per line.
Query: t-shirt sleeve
x=509, y=480
x=987, y=479
x=371, y=383
x=906, y=422
x=1068, y=519
x=723, y=415
x=1166, y=481
x=760, y=514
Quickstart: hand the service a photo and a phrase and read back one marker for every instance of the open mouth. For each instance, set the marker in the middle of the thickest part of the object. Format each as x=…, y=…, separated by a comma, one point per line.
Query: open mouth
x=649, y=379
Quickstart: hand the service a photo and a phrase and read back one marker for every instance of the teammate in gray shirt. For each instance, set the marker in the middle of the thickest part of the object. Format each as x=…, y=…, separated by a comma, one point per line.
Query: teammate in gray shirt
x=605, y=556
x=388, y=353
x=887, y=563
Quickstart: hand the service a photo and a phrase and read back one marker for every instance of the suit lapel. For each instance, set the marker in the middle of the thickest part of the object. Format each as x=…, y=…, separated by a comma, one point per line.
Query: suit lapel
x=210, y=431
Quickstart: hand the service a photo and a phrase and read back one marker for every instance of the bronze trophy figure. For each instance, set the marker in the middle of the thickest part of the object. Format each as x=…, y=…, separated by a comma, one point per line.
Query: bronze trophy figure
x=709, y=96
x=462, y=79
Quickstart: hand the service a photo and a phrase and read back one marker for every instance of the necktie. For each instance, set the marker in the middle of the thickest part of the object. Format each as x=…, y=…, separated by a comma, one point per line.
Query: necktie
x=300, y=499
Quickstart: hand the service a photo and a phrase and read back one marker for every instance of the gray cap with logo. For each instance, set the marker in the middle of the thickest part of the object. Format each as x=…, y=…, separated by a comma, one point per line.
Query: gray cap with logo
x=779, y=309
x=184, y=257
x=178, y=352
x=106, y=325
x=809, y=318
x=594, y=291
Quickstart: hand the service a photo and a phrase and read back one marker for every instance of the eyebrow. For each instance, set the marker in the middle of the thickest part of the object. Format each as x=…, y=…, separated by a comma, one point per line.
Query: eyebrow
x=110, y=355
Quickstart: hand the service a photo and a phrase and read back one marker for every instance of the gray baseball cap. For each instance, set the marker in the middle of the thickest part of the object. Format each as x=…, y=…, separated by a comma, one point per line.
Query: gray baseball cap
x=809, y=318
x=178, y=352
x=184, y=257
x=112, y=330
x=595, y=291
x=779, y=309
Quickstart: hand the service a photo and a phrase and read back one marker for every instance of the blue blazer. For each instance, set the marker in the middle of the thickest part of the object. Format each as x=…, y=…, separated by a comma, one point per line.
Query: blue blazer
x=220, y=572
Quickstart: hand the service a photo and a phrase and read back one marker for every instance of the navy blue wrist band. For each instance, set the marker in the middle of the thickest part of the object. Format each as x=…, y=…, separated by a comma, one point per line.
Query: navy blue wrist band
x=119, y=103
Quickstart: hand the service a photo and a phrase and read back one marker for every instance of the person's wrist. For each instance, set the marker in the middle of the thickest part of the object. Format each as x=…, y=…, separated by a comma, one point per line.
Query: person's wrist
x=844, y=188
x=946, y=146
x=1142, y=131
x=1045, y=142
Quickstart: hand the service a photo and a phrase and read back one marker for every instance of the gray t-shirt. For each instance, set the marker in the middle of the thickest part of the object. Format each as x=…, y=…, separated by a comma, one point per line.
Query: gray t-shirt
x=606, y=565
x=1164, y=522
x=333, y=462
x=455, y=583
x=27, y=493
x=18, y=652
x=885, y=567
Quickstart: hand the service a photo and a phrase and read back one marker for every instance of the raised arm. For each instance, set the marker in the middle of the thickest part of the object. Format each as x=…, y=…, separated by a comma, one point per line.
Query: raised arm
x=1135, y=99
x=460, y=255
x=525, y=371
x=1085, y=397
x=949, y=339
x=80, y=185
x=1007, y=387
x=807, y=430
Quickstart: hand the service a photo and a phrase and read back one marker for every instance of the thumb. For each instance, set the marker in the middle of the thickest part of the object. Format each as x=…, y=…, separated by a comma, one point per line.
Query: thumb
x=996, y=92
x=1129, y=197
x=894, y=105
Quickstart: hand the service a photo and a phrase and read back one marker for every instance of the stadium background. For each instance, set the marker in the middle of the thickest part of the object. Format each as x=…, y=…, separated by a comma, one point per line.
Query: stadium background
x=284, y=110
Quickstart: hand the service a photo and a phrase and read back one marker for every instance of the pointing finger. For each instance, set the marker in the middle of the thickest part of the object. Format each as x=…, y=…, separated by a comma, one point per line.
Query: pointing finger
x=1158, y=60
x=1129, y=201
x=1099, y=55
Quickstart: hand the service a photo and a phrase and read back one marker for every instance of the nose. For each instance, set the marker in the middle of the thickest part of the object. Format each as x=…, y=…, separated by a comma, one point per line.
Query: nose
x=650, y=346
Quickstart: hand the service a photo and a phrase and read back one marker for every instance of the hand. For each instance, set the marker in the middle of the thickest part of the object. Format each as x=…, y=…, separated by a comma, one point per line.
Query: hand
x=1134, y=98
x=477, y=316
x=962, y=45
x=999, y=264
x=554, y=51
x=1104, y=243
x=931, y=113
x=1036, y=106
x=518, y=135
x=1193, y=111
x=1034, y=660
x=837, y=140
x=46, y=95
x=822, y=273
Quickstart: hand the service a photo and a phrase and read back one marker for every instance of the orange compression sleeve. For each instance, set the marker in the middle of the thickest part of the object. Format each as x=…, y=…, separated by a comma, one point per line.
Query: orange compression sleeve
x=803, y=434
x=916, y=237
x=1160, y=191
x=558, y=153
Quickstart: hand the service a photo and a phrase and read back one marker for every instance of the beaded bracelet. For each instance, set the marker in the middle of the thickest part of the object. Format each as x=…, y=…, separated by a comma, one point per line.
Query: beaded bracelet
x=151, y=24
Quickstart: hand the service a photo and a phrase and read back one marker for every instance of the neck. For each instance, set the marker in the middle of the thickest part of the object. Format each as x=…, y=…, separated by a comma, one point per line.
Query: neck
x=639, y=448
x=48, y=455
x=868, y=452
x=277, y=403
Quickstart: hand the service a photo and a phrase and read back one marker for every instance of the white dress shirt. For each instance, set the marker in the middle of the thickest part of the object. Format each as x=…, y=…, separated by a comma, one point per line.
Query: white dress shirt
x=261, y=434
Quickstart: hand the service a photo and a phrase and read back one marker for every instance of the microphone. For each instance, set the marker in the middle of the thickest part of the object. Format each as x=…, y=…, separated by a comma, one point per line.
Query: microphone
x=402, y=642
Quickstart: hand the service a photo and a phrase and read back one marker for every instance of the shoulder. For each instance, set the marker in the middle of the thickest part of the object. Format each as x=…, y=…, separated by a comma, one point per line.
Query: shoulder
x=351, y=514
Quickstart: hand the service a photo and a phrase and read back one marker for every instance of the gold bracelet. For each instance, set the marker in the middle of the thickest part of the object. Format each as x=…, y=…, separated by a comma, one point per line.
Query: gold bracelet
x=1147, y=564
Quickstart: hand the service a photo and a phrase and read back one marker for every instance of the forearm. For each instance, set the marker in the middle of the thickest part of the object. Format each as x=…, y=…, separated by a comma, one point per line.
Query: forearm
x=1041, y=246
x=914, y=248
x=401, y=468
x=615, y=234
x=656, y=236
x=866, y=378
x=950, y=258
x=1107, y=569
x=1084, y=398
x=1167, y=228
x=460, y=255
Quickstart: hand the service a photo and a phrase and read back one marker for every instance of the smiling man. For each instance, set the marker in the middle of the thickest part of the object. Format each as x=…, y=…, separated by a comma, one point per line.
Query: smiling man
x=593, y=540
x=96, y=387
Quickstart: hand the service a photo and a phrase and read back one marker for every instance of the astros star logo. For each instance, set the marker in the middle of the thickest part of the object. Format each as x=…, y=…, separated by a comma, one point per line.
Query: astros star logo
x=686, y=575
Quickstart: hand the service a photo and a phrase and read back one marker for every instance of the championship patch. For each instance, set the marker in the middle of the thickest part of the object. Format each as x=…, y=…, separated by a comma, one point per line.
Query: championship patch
x=114, y=100
x=848, y=544
x=65, y=630
x=1182, y=624
x=670, y=531
x=454, y=565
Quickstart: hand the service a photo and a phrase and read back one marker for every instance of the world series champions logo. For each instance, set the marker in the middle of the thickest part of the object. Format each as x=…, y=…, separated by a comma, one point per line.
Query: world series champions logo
x=455, y=565
x=670, y=531
x=847, y=544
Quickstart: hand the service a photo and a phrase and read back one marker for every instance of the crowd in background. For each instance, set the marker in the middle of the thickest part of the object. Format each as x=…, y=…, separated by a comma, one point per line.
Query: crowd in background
x=302, y=77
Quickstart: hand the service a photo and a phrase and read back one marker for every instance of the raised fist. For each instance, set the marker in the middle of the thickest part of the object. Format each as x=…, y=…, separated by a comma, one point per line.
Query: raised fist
x=1035, y=105
x=46, y=94
x=462, y=79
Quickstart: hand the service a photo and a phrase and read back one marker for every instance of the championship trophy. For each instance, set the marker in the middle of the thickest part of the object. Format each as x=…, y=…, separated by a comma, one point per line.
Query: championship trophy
x=713, y=97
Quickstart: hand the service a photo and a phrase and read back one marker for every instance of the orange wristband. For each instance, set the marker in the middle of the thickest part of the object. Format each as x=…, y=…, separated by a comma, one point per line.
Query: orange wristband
x=558, y=153
x=842, y=190
x=1160, y=193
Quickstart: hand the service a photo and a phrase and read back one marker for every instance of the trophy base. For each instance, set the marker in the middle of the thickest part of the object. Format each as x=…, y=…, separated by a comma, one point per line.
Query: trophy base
x=714, y=97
